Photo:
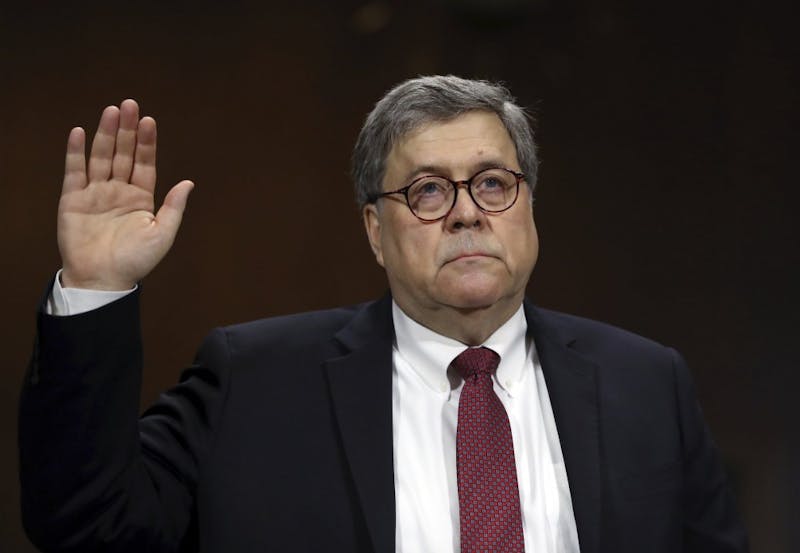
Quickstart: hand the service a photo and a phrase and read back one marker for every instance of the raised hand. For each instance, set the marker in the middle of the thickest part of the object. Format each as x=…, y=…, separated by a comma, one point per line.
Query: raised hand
x=108, y=234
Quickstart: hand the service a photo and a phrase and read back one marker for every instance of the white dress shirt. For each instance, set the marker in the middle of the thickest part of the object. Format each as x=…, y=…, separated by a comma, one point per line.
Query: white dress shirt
x=425, y=414
x=74, y=301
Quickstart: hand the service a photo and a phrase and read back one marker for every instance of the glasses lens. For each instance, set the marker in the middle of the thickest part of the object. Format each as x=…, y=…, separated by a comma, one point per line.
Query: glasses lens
x=430, y=197
x=494, y=189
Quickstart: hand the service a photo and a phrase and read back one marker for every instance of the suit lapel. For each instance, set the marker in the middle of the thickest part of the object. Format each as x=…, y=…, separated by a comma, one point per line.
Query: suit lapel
x=361, y=391
x=571, y=384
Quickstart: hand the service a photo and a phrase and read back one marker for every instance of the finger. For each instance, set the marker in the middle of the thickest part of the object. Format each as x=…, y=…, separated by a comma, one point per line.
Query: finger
x=103, y=145
x=171, y=212
x=144, y=167
x=122, y=163
x=75, y=163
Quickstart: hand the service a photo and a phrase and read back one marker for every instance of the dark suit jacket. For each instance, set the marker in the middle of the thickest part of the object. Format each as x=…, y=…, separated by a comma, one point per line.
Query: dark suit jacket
x=279, y=438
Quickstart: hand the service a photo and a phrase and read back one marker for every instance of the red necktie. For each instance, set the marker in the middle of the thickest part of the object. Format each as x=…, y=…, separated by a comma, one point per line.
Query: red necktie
x=488, y=495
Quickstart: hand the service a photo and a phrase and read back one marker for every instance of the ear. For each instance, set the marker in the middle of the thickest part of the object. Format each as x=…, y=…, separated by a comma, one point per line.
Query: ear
x=372, y=224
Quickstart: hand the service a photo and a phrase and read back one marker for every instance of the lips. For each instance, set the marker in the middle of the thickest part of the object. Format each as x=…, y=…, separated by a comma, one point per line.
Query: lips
x=468, y=255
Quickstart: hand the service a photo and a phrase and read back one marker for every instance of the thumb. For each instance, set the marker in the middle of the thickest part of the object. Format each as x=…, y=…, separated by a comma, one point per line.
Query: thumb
x=171, y=211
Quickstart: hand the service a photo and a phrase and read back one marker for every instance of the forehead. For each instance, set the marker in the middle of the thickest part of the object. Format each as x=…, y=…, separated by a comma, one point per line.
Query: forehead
x=453, y=146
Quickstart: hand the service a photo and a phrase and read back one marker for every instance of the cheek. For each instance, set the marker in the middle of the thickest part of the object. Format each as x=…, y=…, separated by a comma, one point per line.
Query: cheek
x=524, y=245
x=412, y=251
x=532, y=250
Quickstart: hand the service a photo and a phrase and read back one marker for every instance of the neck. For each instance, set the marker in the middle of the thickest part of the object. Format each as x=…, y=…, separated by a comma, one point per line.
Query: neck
x=469, y=326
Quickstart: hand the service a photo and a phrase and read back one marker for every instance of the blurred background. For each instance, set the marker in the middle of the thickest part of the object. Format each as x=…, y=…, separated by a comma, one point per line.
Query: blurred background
x=667, y=202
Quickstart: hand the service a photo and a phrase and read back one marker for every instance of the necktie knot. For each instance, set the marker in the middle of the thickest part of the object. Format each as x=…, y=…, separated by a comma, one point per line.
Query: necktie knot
x=478, y=361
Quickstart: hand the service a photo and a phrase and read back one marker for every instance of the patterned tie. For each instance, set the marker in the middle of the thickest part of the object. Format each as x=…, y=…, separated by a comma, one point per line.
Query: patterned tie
x=488, y=495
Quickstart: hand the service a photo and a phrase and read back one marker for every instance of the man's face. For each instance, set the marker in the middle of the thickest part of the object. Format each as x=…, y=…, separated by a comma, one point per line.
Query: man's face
x=470, y=259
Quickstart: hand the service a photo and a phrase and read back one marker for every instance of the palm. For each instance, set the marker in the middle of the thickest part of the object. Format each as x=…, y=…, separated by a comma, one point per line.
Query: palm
x=108, y=233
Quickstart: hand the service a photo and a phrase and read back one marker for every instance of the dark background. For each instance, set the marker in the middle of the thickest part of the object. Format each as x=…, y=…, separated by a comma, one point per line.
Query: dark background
x=667, y=202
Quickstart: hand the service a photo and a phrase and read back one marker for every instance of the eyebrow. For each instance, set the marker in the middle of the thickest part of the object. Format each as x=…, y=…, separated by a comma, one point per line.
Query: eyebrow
x=440, y=170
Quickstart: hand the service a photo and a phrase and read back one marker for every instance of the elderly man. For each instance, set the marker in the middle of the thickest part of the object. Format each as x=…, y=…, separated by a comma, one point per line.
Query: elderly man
x=451, y=415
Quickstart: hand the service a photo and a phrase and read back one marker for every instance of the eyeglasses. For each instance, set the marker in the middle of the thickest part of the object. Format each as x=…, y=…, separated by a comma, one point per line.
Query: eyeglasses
x=432, y=197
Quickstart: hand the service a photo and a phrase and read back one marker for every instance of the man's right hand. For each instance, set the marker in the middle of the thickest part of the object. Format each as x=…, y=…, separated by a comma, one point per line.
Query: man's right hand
x=108, y=234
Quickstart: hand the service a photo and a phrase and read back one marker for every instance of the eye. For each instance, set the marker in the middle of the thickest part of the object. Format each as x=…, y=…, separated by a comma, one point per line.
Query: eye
x=491, y=182
x=429, y=187
x=428, y=194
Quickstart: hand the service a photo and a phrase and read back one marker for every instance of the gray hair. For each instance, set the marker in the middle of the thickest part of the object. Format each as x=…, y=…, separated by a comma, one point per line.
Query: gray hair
x=416, y=102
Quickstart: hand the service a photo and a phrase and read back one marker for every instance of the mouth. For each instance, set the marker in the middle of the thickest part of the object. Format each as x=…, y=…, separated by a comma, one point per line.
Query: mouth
x=468, y=256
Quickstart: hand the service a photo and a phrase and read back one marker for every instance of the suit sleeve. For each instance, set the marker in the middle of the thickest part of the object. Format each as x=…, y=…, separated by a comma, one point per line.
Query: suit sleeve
x=94, y=476
x=711, y=523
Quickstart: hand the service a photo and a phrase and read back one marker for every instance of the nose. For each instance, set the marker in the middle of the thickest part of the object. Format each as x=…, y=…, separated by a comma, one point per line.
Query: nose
x=465, y=212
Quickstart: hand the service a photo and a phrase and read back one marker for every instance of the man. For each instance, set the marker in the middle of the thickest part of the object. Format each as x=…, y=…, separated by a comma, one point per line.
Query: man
x=451, y=415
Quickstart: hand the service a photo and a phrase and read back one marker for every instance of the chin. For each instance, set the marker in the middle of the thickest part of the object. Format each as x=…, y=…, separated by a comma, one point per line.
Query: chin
x=474, y=297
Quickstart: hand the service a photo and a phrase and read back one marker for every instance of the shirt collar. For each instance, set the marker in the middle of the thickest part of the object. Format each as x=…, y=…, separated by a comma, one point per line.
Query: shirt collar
x=429, y=354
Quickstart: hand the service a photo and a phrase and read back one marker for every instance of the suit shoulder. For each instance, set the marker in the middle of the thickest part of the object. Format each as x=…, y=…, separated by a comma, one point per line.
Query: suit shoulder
x=297, y=339
x=599, y=338
x=306, y=327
